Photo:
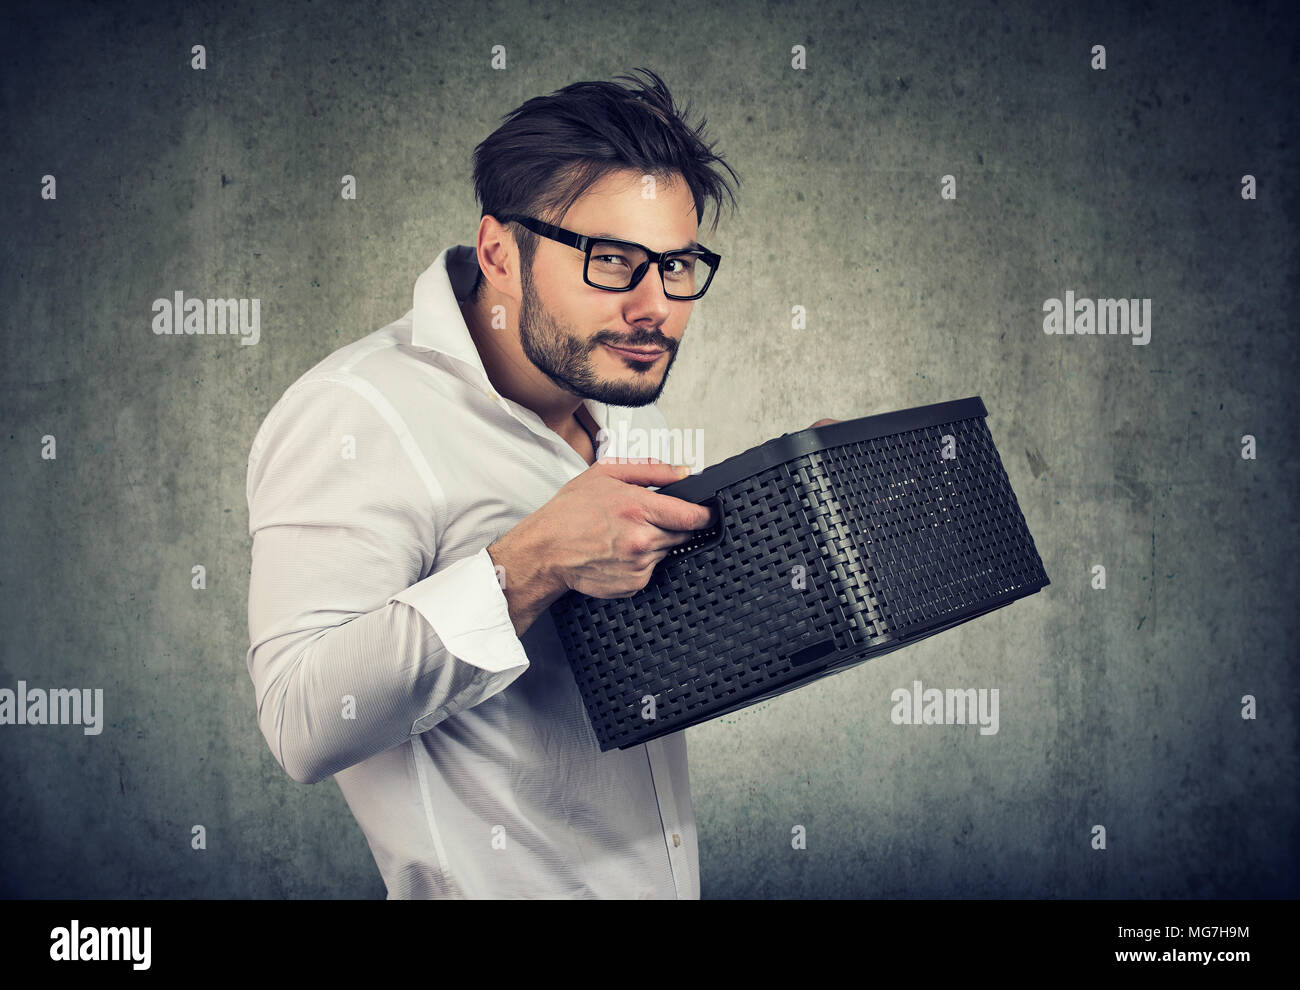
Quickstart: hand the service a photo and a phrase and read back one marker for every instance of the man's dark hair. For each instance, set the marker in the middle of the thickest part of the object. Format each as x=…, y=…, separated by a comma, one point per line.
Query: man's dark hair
x=552, y=149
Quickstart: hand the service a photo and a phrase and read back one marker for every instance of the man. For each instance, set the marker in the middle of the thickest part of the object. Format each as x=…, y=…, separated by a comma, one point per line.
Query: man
x=419, y=498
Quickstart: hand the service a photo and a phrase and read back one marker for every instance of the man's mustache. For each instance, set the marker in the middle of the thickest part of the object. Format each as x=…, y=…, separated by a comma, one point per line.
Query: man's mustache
x=641, y=343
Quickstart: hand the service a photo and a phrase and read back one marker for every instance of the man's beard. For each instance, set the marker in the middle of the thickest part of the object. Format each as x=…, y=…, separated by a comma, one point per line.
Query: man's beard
x=567, y=361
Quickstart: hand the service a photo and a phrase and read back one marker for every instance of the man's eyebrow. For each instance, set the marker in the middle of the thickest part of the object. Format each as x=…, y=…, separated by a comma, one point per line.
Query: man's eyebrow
x=605, y=235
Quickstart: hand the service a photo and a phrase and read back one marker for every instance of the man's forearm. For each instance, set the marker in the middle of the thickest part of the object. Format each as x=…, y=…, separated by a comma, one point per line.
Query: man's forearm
x=390, y=661
x=528, y=581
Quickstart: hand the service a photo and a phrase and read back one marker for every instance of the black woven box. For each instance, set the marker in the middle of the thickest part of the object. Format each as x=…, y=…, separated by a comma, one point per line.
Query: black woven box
x=834, y=545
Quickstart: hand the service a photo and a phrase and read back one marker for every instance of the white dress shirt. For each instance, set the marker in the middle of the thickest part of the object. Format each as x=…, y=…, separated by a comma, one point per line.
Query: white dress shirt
x=381, y=649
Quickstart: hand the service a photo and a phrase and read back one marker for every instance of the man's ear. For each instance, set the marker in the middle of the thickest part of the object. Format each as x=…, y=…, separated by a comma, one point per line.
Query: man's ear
x=498, y=258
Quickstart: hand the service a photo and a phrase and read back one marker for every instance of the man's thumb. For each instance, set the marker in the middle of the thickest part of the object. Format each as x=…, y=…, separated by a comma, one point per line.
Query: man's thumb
x=643, y=470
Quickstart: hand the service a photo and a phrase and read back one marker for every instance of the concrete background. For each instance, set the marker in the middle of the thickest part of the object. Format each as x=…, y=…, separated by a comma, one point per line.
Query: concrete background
x=1118, y=707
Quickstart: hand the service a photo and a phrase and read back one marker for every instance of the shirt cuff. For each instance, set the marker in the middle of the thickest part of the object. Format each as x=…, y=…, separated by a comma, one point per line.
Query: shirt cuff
x=466, y=607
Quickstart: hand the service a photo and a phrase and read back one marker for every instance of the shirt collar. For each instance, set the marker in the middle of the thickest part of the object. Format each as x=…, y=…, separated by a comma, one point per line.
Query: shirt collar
x=438, y=325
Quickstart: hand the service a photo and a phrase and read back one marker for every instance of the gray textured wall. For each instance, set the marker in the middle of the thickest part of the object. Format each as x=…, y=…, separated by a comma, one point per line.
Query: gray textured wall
x=1118, y=707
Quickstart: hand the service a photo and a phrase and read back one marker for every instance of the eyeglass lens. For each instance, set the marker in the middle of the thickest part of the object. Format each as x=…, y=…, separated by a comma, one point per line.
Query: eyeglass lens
x=612, y=265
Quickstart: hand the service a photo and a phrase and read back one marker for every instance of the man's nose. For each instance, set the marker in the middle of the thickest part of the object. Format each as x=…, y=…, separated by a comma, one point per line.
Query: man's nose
x=649, y=292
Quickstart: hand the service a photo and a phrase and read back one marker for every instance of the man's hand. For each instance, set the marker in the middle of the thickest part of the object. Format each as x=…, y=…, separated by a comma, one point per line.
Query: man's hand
x=601, y=534
x=610, y=532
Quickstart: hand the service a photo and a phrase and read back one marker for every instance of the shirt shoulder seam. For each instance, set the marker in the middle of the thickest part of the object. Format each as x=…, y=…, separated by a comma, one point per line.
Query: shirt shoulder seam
x=387, y=412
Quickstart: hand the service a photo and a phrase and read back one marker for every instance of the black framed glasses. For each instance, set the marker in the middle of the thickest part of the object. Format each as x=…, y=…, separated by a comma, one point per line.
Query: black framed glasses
x=619, y=266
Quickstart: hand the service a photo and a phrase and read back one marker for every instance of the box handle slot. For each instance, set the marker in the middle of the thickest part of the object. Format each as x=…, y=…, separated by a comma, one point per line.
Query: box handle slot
x=704, y=538
x=810, y=653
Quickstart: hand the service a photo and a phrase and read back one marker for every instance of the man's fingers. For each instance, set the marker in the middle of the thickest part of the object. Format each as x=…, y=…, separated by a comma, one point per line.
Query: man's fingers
x=666, y=539
x=667, y=512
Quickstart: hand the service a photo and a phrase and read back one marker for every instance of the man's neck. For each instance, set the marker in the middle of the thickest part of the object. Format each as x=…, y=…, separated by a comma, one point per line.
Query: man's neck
x=515, y=377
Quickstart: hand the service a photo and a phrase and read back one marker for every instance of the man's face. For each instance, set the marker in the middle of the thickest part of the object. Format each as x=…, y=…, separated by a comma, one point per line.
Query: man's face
x=566, y=326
